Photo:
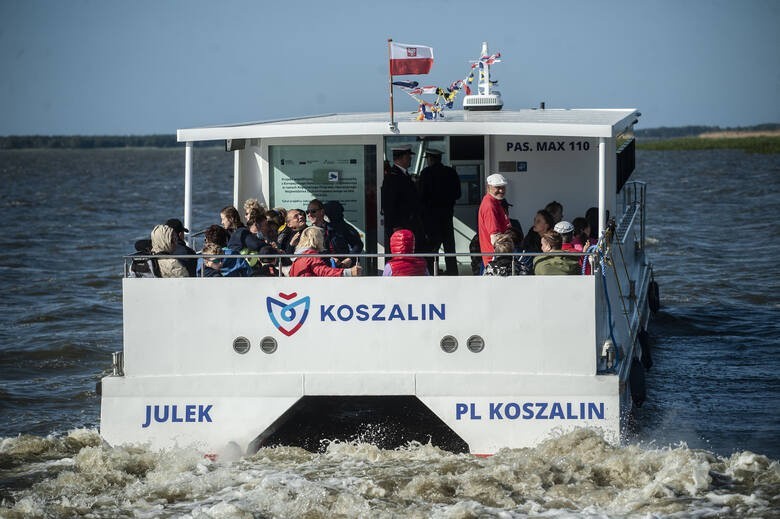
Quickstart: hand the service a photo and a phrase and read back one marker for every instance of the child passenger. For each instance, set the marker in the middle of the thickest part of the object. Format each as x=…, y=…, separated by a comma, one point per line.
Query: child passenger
x=505, y=265
x=402, y=242
x=211, y=266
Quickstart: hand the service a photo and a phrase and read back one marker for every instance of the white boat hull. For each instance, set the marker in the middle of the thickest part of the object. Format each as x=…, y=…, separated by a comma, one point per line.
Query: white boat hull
x=183, y=383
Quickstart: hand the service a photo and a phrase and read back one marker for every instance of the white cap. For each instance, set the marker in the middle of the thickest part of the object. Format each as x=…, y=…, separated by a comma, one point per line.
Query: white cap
x=563, y=227
x=496, y=180
x=400, y=150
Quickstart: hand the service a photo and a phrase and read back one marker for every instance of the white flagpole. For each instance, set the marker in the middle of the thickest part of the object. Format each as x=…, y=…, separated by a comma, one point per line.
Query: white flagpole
x=390, y=73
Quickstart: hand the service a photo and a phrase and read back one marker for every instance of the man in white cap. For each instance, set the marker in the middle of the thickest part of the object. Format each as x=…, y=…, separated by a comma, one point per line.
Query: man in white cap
x=400, y=201
x=493, y=219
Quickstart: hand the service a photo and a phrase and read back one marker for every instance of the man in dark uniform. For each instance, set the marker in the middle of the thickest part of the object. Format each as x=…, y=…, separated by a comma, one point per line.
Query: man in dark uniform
x=400, y=201
x=439, y=189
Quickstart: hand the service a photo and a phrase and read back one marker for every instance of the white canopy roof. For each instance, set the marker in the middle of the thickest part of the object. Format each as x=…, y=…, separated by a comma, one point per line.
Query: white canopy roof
x=548, y=122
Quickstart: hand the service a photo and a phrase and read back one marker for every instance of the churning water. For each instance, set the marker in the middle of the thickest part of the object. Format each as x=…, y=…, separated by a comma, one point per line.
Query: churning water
x=707, y=441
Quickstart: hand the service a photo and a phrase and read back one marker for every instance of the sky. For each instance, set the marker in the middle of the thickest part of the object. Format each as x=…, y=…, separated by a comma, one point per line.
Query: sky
x=92, y=67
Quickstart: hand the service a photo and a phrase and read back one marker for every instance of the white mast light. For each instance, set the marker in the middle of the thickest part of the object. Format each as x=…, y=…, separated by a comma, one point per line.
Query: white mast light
x=485, y=99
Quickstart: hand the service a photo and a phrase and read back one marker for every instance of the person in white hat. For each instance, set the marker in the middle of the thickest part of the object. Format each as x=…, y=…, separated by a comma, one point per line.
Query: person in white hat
x=493, y=219
x=566, y=230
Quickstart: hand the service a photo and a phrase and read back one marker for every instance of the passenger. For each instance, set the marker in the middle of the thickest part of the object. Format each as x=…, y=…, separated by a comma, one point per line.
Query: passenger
x=505, y=265
x=554, y=265
x=581, y=238
x=216, y=235
x=316, y=213
x=255, y=228
x=268, y=265
x=439, y=189
x=592, y=216
x=241, y=239
x=543, y=223
x=581, y=243
x=402, y=242
x=493, y=219
x=340, y=237
x=230, y=219
x=255, y=214
x=566, y=230
x=400, y=202
x=252, y=207
x=282, y=218
x=211, y=267
x=164, y=243
x=275, y=219
x=182, y=248
x=296, y=223
x=515, y=232
x=268, y=231
x=311, y=242
x=556, y=211
x=476, y=262
x=260, y=229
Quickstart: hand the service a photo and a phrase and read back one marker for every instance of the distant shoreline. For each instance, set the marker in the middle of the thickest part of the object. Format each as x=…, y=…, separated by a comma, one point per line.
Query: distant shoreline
x=748, y=141
x=739, y=134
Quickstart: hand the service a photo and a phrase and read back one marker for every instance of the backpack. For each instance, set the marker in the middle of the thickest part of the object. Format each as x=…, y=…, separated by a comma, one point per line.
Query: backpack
x=235, y=267
x=144, y=268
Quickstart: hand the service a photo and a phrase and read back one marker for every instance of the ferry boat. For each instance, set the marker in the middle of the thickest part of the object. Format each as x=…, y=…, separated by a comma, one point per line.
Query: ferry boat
x=468, y=363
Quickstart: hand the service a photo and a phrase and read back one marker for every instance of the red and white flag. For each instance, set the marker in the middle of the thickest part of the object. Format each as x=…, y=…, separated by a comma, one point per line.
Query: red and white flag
x=410, y=59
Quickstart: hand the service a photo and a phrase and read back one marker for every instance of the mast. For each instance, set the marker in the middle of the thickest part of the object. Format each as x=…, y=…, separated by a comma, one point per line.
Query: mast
x=484, y=73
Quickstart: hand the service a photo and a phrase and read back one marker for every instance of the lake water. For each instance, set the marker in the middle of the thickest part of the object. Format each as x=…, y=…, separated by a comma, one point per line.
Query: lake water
x=707, y=440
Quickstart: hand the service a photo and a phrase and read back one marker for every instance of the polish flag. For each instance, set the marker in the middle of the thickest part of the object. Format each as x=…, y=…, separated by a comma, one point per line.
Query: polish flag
x=410, y=59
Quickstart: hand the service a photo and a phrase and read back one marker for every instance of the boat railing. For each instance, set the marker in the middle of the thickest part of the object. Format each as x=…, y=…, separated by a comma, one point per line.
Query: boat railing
x=634, y=193
x=361, y=258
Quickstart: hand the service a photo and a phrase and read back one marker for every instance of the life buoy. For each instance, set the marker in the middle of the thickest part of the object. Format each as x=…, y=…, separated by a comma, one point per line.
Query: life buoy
x=636, y=379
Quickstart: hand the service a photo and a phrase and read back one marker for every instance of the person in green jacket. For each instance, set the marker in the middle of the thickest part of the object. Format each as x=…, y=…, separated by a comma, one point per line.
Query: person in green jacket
x=554, y=265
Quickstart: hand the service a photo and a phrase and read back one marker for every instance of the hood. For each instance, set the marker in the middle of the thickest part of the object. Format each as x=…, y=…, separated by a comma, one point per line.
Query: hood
x=162, y=239
x=402, y=242
x=334, y=211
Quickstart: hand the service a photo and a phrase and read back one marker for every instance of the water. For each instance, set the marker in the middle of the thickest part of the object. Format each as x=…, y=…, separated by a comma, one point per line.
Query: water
x=707, y=441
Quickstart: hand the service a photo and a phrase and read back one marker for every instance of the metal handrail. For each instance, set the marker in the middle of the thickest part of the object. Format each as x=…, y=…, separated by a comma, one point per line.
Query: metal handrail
x=362, y=255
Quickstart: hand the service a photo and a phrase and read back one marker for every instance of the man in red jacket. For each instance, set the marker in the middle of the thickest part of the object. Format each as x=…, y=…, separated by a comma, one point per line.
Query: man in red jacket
x=493, y=218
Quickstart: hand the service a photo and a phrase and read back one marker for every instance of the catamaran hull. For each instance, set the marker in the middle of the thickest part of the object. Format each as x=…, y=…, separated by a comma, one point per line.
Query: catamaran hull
x=529, y=372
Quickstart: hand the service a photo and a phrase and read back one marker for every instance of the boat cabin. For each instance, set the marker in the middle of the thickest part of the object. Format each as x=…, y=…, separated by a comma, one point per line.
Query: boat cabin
x=580, y=158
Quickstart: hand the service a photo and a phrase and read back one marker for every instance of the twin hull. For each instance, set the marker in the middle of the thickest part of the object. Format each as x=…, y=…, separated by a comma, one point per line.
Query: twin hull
x=184, y=383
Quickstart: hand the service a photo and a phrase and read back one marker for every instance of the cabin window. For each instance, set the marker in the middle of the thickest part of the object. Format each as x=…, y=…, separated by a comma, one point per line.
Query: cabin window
x=467, y=147
x=346, y=173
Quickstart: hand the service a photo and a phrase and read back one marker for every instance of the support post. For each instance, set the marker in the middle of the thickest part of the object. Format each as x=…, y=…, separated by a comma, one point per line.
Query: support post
x=390, y=82
x=188, y=190
x=602, y=183
x=236, y=169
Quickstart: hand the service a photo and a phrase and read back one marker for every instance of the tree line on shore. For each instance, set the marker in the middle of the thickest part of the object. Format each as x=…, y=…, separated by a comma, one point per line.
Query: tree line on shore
x=15, y=142
x=665, y=132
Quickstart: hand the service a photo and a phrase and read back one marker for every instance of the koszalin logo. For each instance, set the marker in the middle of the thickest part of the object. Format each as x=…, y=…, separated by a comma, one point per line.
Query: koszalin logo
x=288, y=315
